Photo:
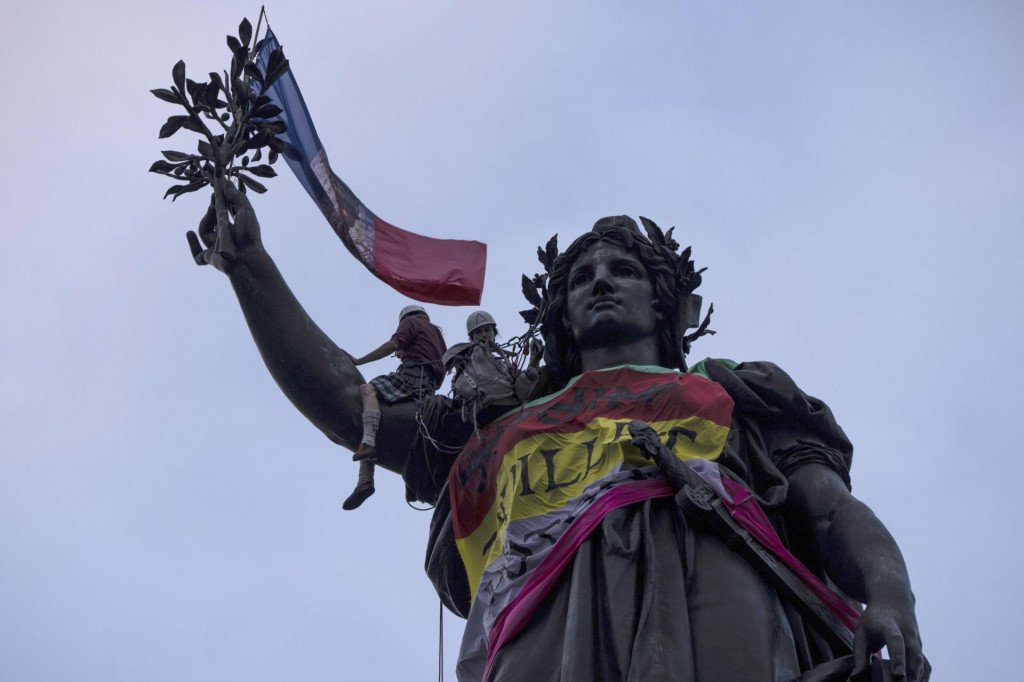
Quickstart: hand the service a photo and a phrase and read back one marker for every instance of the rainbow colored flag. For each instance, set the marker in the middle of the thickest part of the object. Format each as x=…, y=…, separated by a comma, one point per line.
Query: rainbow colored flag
x=527, y=493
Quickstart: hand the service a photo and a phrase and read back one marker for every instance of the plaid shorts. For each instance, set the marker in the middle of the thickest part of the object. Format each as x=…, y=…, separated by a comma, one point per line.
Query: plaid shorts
x=411, y=381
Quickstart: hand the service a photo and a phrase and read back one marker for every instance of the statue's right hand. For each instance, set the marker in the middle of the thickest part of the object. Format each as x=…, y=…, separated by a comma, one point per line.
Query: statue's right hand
x=221, y=242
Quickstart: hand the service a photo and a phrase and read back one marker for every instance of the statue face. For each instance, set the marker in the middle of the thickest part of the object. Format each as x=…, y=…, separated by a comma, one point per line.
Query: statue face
x=610, y=298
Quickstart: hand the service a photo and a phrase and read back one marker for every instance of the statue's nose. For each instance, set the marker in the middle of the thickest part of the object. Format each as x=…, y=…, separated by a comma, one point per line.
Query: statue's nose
x=603, y=282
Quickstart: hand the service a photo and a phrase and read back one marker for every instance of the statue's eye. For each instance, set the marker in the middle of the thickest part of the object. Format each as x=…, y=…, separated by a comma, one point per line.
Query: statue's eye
x=627, y=271
x=579, y=279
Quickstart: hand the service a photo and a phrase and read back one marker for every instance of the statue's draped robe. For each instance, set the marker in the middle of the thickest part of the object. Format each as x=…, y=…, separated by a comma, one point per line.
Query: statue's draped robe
x=644, y=594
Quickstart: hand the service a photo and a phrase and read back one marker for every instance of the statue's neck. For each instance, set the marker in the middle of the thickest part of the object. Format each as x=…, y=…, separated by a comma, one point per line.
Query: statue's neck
x=636, y=352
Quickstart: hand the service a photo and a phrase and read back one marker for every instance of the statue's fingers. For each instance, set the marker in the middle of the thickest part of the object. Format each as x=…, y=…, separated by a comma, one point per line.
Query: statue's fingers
x=861, y=654
x=647, y=439
x=917, y=665
x=195, y=247
x=236, y=200
x=220, y=202
x=925, y=670
x=246, y=230
x=915, y=668
x=225, y=243
x=208, y=224
x=897, y=652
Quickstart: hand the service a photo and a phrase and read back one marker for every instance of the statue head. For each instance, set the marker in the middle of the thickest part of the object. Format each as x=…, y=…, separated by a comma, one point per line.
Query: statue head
x=669, y=281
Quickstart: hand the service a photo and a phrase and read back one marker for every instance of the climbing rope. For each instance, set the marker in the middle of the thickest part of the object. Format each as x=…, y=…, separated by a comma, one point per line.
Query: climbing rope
x=440, y=641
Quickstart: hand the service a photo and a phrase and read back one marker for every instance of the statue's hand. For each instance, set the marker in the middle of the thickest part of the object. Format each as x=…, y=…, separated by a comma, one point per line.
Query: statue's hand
x=536, y=352
x=894, y=627
x=225, y=243
x=649, y=442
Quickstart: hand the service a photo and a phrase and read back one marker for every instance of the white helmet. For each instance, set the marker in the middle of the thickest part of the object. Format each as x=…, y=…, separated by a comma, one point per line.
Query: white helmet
x=480, y=318
x=409, y=310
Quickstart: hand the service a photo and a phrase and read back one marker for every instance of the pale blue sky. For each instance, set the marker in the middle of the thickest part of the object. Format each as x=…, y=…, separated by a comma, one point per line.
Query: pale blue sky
x=851, y=174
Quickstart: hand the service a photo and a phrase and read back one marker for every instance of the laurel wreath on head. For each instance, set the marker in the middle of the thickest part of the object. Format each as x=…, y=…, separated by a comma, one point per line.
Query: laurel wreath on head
x=687, y=278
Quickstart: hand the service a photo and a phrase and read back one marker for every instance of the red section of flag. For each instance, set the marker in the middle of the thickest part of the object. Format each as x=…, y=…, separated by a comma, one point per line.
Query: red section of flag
x=442, y=271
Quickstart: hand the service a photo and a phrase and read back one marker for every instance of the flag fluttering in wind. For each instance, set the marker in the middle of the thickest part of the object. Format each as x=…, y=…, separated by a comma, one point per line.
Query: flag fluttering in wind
x=442, y=271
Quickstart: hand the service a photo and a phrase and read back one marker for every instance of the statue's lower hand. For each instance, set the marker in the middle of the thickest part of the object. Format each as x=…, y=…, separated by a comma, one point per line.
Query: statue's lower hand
x=536, y=352
x=895, y=628
x=221, y=242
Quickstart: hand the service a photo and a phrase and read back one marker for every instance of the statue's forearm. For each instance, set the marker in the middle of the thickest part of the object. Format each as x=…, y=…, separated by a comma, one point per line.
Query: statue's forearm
x=857, y=551
x=314, y=373
x=863, y=558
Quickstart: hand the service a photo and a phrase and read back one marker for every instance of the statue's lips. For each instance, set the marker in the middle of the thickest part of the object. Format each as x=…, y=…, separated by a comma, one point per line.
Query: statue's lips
x=603, y=302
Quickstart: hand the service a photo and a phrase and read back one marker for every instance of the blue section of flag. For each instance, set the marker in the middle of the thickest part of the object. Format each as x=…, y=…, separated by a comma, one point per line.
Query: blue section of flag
x=301, y=141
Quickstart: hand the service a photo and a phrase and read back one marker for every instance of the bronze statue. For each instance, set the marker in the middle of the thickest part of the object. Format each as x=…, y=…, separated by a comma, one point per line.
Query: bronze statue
x=638, y=452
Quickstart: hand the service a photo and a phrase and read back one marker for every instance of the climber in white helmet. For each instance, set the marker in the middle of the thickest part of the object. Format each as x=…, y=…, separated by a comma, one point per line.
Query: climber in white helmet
x=420, y=347
x=486, y=382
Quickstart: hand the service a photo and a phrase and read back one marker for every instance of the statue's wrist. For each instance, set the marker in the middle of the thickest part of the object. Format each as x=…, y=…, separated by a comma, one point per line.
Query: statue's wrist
x=893, y=592
x=250, y=267
x=253, y=260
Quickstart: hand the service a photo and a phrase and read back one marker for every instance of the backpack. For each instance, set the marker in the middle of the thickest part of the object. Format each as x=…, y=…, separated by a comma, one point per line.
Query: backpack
x=481, y=379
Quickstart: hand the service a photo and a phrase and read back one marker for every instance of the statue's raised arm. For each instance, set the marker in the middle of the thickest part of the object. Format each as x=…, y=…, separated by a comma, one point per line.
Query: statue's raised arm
x=316, y=375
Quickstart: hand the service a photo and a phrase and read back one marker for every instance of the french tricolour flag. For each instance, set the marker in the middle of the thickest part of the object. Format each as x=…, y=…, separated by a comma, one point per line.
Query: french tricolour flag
x=442, y=271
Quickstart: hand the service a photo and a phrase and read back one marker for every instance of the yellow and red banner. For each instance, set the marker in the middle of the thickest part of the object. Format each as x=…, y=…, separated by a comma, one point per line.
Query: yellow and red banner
x=528, y=489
